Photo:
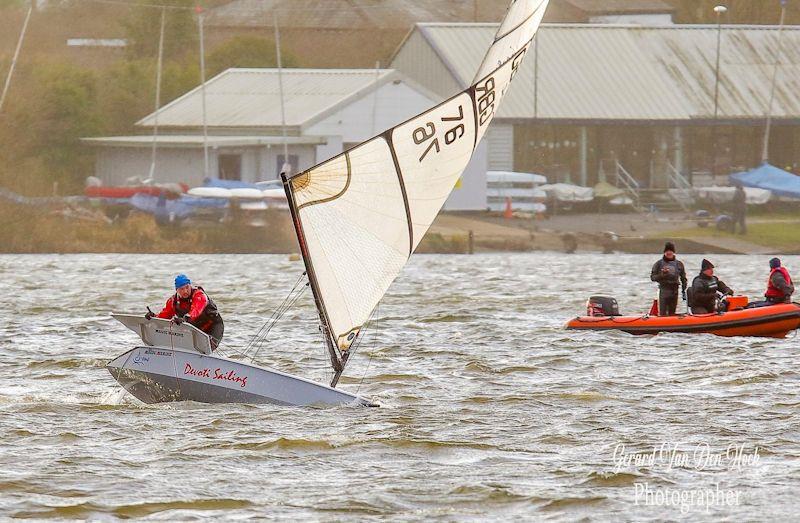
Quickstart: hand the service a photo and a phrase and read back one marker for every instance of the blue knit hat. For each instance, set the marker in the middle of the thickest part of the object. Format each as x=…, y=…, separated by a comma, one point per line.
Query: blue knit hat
x=774, y=263
x=181, y=280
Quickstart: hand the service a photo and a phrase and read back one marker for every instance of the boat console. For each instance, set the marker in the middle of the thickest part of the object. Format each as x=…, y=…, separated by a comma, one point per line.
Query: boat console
x=158, y=332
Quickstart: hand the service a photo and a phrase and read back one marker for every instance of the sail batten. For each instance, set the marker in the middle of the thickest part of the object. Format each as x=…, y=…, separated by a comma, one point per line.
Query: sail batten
x=361, y=214
x=388, y=136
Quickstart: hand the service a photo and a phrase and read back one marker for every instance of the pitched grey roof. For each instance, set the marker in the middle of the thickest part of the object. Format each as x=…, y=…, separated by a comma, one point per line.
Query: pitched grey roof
x=194, y=141
x=621, y=6
x=612, y=72
x=239, y=98
x=349, y=14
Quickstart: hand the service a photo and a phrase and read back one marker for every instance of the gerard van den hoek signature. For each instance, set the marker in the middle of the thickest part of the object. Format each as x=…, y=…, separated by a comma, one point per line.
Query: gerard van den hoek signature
x=216, y=374
x=677, y=455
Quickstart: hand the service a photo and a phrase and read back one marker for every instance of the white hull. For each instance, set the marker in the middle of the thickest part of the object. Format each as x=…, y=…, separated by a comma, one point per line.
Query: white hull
x=159, y=374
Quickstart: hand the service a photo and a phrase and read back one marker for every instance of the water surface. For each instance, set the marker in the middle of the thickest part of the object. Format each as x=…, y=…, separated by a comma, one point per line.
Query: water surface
x=490, y=410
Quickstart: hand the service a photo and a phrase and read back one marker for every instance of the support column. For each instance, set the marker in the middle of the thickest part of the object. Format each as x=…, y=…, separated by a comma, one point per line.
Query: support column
x=583, y=155
x=677, y=151
x=658, y=170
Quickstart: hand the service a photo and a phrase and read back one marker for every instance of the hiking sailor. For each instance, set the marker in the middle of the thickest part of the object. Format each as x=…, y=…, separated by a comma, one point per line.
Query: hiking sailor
x=192, y=304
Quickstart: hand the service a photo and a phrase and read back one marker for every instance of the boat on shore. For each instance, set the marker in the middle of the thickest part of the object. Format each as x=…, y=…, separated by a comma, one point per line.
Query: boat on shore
x=773, y=321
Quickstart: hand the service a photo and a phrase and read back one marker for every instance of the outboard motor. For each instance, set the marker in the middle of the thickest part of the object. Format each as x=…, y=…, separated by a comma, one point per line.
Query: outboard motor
x=602, y=306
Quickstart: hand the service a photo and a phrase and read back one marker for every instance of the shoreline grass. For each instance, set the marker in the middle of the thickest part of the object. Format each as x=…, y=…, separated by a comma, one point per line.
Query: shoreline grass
x=780, y=235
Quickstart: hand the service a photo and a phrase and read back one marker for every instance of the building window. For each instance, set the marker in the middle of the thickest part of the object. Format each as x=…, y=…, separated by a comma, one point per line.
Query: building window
x=230, y=166
x=551, y=150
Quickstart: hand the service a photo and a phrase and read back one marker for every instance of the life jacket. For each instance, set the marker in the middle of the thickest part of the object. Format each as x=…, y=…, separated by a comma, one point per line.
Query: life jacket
x=710, y=285
x=207, y=318
x=772, y=290
x=674, y=267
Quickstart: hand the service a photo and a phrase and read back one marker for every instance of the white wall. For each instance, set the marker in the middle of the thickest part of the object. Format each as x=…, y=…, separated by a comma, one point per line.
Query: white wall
x=391, y=104
x=500, y=146
x=116, y=164
x=268, y=160
x=470, y=192
x=328, y=150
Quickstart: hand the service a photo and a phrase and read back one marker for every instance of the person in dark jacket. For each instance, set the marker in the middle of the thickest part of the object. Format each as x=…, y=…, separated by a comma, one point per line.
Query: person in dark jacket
x=779, y=283
x=668, y=272
x=192, y=304
x=739, y=210
x=705, y=286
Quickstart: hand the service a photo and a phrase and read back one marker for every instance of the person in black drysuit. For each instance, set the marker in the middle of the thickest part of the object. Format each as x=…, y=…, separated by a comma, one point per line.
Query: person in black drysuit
x=739, y=210
x=705, y=286
x=668, y=272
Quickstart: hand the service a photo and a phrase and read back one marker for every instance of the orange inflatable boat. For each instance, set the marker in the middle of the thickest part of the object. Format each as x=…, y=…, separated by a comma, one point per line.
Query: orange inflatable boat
x=774, y=321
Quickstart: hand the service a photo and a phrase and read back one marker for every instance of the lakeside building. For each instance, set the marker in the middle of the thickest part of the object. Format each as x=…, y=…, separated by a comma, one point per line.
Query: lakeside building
x=356, y=15
x=591, y=99
x=326, y=112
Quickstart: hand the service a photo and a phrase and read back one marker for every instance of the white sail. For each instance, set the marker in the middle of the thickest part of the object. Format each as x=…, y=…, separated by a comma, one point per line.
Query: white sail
x=361, y=214
x=515, y=32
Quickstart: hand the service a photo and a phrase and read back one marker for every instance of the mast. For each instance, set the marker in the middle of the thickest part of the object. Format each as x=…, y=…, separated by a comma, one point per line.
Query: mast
x=203, y=90
x=286, y=167
x=336, y=362
x=16, y=56
x=375, y=95
x=151, y=177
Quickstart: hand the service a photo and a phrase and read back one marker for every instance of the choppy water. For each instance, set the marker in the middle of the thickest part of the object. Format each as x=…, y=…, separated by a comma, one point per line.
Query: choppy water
x=489, y=409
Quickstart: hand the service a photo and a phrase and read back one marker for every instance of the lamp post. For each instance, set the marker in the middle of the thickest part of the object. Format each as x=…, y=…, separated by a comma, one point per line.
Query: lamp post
x=765, y=151
x=719, y=10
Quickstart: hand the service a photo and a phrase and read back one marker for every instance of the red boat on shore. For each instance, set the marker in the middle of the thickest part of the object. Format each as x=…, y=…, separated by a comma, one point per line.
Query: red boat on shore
x=172, y=190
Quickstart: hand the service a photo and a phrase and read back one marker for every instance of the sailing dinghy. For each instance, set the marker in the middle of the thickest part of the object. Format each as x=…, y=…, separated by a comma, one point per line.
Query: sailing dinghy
x=358, y=218
x=176, y=364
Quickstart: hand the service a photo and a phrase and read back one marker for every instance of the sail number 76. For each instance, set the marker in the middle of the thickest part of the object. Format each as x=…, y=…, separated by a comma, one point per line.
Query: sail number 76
x=426, y=132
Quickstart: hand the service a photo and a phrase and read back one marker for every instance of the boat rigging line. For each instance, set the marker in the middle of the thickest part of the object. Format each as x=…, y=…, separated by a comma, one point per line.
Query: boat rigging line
x=376, y=314
x=259, y=339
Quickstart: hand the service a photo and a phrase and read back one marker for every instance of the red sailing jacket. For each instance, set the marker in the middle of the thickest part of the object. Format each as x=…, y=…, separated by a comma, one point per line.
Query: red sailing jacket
x=195, y=306
x=772, y=290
